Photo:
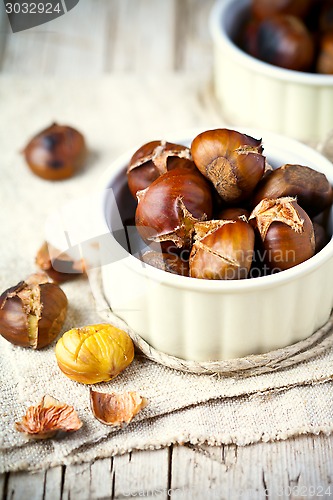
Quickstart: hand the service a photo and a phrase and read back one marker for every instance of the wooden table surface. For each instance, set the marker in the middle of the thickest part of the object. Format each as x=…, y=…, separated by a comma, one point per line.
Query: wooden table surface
x=158, y=36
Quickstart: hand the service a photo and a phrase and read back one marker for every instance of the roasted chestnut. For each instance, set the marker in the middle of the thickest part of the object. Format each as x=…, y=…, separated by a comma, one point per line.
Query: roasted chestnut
x=326, y=15
x=263, y=9
x=169, y=262
x=168, y=209
x=56, y=152
x=231, y=161
x=222, y=249
x=32, y=312
x=325, y=55
x=283, y=41
x=286, y=232
x=312, y=189
x=154, y=159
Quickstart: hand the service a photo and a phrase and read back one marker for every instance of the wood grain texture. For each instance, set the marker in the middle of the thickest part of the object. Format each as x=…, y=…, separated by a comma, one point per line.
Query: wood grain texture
x=296, y=468
x=100, y=36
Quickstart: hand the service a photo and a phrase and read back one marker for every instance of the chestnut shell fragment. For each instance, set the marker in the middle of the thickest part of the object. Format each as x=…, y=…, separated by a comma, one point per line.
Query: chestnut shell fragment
x=45, y=420
x=116, y=409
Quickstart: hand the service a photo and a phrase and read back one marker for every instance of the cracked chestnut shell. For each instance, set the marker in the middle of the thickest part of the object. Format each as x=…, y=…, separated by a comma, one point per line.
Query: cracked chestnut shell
x=312, y=189
x=222, y=249
x=32, y=313
x=154, y=159
x=60, y=267
x=56, y=152
x=94, y=353
x=231, y=161
x=286, y=232
x=168, y=209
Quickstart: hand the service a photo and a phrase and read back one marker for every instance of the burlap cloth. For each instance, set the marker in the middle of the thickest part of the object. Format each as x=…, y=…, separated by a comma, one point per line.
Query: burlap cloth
x=115, y=114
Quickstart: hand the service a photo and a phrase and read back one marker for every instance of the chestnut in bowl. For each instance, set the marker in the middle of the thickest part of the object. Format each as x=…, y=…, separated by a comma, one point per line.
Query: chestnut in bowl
x=200, y=319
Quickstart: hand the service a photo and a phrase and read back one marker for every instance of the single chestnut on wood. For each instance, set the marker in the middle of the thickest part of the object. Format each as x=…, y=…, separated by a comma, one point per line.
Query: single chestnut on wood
x=154, y=159
x=222, y=249
x=32, y=312
x=56, y=153
x=286, y=232
x=168, y=209
x=311, y=188
x=232, y=161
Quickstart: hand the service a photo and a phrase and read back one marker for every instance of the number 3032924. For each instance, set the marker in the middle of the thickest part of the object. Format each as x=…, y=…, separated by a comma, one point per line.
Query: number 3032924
x=33, y=8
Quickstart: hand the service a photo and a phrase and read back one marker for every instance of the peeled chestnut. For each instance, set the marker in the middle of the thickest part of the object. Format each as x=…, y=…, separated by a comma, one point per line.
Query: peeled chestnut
x=325, y=55
x=312, y=189
x=56, y=152
x=154, y=159
x=94, y=353
x=168, y=209
x=32, y=312
x=286, y=232
x=222, y=249
x=284, y=41
x=169, y=262
x=263, y=9
x=231, y=161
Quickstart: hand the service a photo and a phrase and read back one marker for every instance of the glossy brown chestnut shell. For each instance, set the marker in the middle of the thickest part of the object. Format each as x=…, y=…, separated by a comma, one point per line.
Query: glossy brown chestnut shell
x=325, y=55
x=232, y=161
x=311, y=188
x=233, y=213
x=32, y=313
x=168, y=209
x=284, y=41
x=222, y=249
x=56, y=153
x=268, y=8
x=169, y=262
x=286, y=232
x=154, y=159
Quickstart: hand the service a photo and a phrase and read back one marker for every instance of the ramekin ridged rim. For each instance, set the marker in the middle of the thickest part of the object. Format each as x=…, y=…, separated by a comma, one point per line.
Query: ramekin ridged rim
x=221, y=38
x=231, y=286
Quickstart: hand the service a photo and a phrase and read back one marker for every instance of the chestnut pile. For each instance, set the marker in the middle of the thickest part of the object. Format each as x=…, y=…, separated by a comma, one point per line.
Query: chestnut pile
x=218, y=210
x=291, y=34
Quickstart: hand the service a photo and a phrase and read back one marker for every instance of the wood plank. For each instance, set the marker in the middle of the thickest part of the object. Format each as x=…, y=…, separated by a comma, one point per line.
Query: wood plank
x=101, y=484
x=77, y=482
x=142, y=474
x=26, y=485
x=3, y=485
x=72, y=45
x=144, y=36
x=194, y=48
x=53, y=483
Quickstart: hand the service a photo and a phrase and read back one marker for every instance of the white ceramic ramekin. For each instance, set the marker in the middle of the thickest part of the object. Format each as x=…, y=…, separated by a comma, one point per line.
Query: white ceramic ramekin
x=254, y=93
x=206, y=320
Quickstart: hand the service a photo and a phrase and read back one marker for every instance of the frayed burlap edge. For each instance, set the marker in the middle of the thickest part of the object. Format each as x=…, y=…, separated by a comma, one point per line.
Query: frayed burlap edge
x=247, y=366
